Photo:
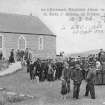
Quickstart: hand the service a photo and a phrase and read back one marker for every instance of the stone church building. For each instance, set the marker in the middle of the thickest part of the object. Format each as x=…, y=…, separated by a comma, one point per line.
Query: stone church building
x=22, y=31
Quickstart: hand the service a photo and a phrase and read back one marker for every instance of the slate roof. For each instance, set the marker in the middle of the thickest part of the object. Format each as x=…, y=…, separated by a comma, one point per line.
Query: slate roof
x=16, y=23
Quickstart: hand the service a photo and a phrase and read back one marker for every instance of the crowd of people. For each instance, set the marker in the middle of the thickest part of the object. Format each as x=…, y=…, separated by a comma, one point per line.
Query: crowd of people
x=72, y=68
x=76, y=69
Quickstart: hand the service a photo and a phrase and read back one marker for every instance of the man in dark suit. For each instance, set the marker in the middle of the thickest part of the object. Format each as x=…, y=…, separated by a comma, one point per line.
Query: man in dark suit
x=77, y=77
x=90, y=82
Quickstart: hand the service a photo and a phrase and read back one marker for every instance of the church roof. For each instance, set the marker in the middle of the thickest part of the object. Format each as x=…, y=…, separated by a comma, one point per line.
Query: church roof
x=16, y=23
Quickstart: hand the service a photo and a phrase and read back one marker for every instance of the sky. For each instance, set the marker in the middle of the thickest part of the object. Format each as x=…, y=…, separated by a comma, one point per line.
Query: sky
x=67, y=41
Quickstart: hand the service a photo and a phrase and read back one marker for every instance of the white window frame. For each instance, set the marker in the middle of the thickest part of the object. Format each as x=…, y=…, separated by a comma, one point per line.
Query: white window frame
x=24, y=39
x=2, y=41
x=41, y=45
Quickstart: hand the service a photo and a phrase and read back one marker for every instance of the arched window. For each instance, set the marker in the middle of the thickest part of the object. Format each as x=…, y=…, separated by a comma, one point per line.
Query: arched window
x=41, y=43
x=1, y=41
x=21, y=43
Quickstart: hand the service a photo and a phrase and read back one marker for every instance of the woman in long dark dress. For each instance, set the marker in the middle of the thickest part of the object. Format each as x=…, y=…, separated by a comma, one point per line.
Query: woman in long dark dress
x=11, y=58
x=64, y=88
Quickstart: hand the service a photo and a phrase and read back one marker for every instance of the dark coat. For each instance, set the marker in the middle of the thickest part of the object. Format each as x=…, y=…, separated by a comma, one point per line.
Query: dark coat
x=66, y=73
x=11, y=58
x=91, y=75
x=77, y=75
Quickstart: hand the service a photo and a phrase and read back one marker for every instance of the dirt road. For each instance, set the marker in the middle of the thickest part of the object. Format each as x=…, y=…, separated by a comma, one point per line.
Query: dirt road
x=47, y=93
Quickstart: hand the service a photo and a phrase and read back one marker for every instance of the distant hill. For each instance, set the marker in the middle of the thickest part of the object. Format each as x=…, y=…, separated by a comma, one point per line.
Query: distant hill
x=86, y=53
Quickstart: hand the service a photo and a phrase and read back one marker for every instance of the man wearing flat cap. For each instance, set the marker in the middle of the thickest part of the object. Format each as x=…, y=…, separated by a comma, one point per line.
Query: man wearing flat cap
x=77, y=78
